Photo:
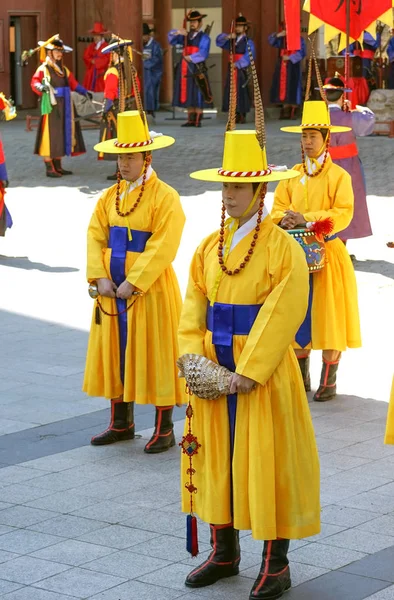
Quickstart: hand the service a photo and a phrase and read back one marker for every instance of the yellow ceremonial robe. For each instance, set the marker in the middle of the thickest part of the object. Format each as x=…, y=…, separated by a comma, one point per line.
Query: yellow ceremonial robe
x=335, y=315
x=151, y=375
x=389, y=437
x=275, y=466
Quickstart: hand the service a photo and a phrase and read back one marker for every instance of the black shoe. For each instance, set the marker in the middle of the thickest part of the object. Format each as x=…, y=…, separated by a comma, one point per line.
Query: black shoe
x=306, y=376
x=113, y=177
x=222, y=562
x=328, y=382
x=50, y=170
x=274, y=577
x=188, y=124
x=57, y=163
x=191, y=120
x=163, y=437
x=121, y=426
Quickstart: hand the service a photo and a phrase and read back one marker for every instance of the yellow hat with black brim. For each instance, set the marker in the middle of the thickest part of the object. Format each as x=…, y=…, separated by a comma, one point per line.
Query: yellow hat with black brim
x=134, y=136
x=315, y=115
x=244, y=162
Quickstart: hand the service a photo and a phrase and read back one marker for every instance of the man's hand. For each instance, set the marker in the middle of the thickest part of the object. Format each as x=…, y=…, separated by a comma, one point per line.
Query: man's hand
x=292, y=219
x=125, y=290
x=182, y=31
x=106, y=287
x=285, y=57
x=240, y=384
x=188, y=58
x=232, y=36
x=281, y=33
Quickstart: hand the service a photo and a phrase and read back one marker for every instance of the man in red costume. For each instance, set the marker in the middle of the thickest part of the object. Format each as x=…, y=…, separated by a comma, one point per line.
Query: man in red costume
x=96, y=62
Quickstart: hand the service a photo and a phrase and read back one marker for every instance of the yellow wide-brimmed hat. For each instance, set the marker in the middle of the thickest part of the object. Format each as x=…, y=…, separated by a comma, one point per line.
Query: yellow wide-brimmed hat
x=134, y=136
x=315, y=115
x=244, y=162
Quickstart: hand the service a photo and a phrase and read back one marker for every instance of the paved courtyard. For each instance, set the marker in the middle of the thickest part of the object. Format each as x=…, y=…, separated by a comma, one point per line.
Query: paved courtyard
x=104, y=523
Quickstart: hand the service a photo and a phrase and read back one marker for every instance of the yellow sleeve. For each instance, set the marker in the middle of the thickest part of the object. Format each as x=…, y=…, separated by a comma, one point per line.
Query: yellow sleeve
x=98, y=235
x=192, y=325
x=162, y=246
x=343, y=207
x=282, y=201
x=280, y=316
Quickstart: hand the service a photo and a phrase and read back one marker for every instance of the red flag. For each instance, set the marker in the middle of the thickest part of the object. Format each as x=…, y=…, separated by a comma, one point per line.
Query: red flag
x=362, y=13
x=292, y=20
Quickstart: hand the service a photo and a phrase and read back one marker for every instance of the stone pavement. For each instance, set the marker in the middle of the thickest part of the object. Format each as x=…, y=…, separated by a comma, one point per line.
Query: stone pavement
x=105, y=523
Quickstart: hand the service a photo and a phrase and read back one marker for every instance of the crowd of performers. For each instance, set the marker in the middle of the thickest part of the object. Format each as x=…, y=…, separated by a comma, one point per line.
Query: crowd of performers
x=264, y=291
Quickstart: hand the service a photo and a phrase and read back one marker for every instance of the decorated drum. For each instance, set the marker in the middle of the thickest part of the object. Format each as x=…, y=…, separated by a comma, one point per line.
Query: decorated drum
x=315, y=251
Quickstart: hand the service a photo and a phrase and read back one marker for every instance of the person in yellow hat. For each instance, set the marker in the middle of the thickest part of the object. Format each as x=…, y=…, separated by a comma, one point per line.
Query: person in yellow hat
x=58, y=134
x=322, y=190
x=247, y=296
x=133, y=237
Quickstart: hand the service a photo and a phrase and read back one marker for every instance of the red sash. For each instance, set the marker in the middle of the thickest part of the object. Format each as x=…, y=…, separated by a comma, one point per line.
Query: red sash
x=283, y=76
x=345, y=151
x=368, y=54
x=184, y=71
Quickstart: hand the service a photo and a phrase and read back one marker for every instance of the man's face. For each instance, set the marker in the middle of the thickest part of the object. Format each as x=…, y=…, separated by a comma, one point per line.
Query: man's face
x=195, y=25
x=237, y=197
x=146, y=38
x=97, y=38
x=57, y=55
x=312, y=142
x=240, y=29
x=131, y=165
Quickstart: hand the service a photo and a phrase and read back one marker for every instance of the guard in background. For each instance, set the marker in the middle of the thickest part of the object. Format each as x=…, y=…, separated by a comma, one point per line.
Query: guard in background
x=152, y=57
x=191, y=88
x=287, y=81
x=58, y=134
x=115, y=80
x=95, y=60
x=237, y=43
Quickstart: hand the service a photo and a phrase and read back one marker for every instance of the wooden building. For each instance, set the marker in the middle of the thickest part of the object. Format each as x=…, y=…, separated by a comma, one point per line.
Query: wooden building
x=24, y=22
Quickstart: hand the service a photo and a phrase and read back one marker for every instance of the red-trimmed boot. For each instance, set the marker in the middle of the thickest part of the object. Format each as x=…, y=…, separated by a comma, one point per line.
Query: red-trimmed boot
x=303, y=362
x=121, y=426
x=274, y=577
x=222, y=562
x=50, y=169
x=191, y=120
x=198, y=119
x=57, y=163
x=328, y=382
x=163, y=436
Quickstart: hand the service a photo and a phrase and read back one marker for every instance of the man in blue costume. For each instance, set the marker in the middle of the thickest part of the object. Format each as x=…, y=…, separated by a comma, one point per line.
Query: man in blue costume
x=286, y=86
x=152, y=56
x=196, y=45
x=367, y=52
x=241, y=63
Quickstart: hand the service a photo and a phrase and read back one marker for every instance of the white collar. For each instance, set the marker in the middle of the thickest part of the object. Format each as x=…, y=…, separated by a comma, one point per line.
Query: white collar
x=246, y=228
x=132, y=185
x=311, y=166
x=100, y=43
x=149, y=42
x=194, y=33
x=334, y=106
x=239, y=37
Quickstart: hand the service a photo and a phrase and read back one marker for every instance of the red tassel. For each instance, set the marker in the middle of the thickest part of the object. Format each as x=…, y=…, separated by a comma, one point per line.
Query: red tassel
x=323, y=227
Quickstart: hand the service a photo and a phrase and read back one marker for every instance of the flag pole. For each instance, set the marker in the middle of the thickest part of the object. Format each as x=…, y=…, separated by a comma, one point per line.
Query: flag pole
x=347, y=53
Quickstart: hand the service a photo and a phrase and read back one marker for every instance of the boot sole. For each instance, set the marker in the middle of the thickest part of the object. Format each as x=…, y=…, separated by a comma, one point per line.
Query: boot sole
x=324, y=399
x=200, y=585
x=94, y=442
x=275, y=597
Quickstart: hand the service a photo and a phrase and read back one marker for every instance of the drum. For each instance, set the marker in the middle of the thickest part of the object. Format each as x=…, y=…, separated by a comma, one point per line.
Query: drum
x=315, y=250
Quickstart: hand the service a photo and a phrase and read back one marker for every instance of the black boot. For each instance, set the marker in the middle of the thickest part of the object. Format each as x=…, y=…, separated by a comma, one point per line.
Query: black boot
x=222, y=562
x=163, y=437
x=121, y=426
x=198, y=119
x=328, y=382
x=57, y=163
x=274, y=577
x=51, y=171
x=191, y=120
x=303, y=361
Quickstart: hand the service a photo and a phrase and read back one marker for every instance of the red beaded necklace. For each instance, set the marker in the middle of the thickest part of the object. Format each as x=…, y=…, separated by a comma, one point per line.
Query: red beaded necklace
x=136, y=203
x=248, y=256
x=326, y=152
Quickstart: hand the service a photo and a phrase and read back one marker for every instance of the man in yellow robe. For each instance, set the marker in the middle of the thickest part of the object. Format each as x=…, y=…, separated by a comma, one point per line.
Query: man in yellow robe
x=257, y=468
x=322, y=190
x=133, y=237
